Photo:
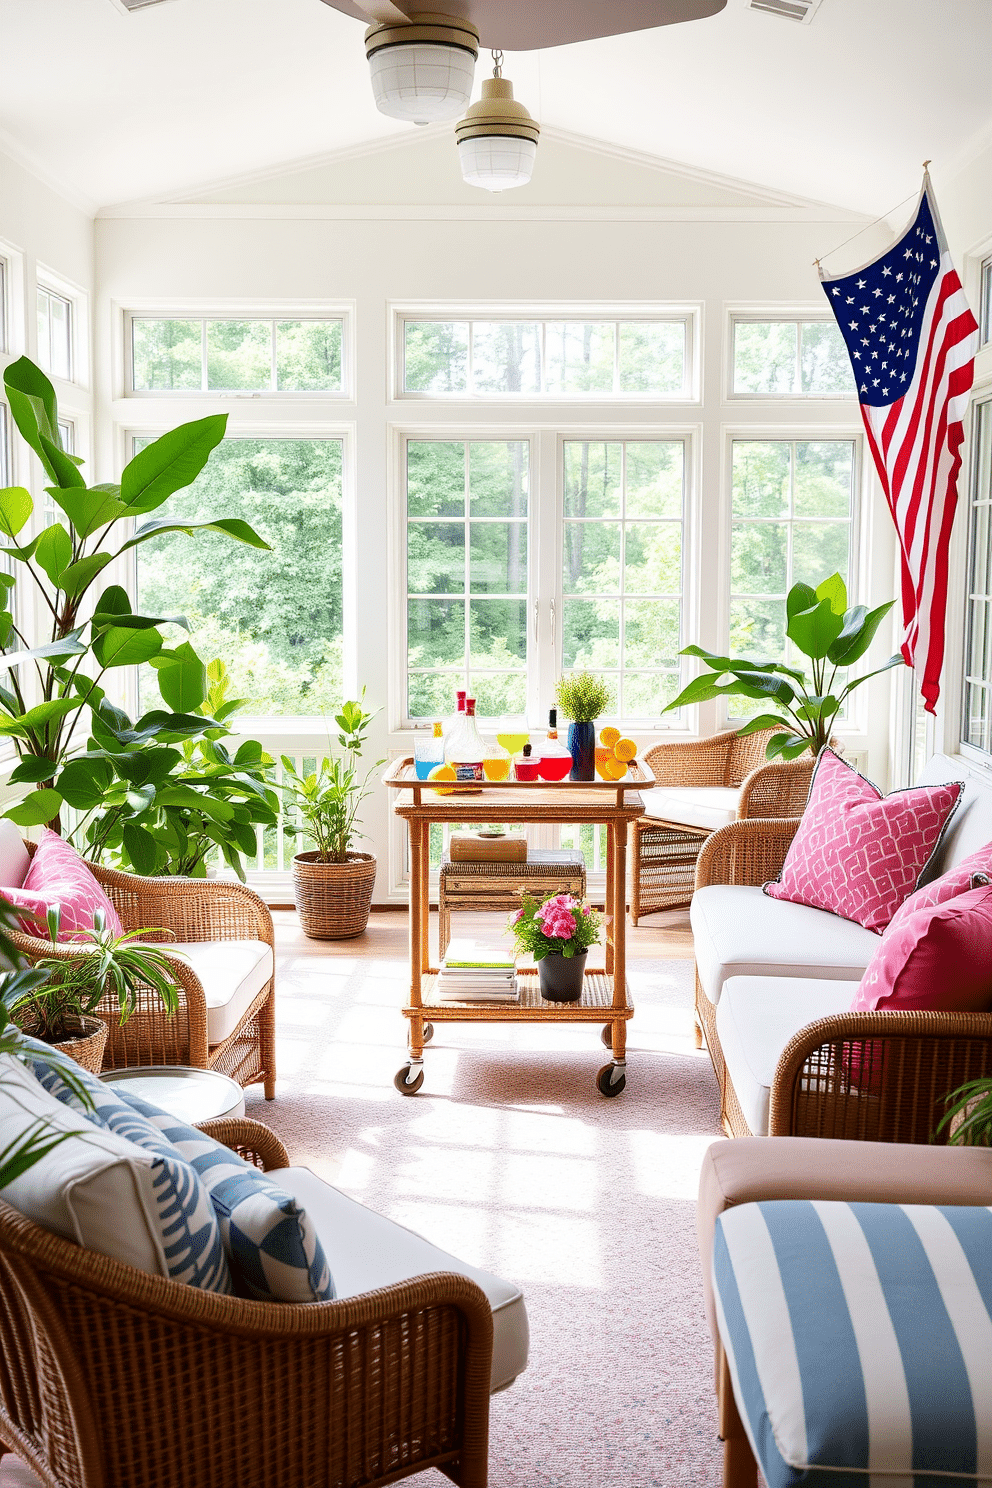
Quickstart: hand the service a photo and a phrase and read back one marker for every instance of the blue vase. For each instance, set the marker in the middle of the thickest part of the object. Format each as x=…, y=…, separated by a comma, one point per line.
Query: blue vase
x=582, y=744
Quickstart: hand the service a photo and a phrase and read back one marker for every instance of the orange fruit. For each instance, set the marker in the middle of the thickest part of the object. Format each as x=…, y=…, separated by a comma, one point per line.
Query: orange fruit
x=602, y=765
x=609, y=737
x=443, y=772
x=614, y=769
x=625, y=749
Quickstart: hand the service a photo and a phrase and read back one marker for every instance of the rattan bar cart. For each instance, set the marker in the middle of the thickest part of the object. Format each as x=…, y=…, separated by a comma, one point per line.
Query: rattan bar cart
x=605, y=996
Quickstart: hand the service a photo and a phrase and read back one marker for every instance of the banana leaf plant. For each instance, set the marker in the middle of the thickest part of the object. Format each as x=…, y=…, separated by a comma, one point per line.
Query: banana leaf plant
x=820, y=626
x=92, y=632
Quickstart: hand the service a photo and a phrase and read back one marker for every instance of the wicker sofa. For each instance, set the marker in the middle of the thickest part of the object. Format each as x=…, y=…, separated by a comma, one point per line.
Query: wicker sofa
x=112, y=1377
x=774, y=983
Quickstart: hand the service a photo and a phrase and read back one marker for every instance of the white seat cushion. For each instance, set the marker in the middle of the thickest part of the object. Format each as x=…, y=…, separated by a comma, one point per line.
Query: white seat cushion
x=16, y=1474
x=366, y=1250
x=233, y=972
x=707, y=806
x=756, y=1018
x=739, y=931
x=14, y=857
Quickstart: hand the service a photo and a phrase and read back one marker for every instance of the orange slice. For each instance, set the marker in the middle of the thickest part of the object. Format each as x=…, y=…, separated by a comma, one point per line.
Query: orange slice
x=609, y=737
x=443, y=772
x=614, y=769
x=625, y=749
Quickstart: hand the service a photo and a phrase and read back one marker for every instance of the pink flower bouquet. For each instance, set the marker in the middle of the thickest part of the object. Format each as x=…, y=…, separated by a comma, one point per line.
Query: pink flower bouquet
x=562, y=924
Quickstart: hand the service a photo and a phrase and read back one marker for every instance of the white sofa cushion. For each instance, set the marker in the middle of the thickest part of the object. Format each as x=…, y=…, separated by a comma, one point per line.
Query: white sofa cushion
x=739, y=931
x=707, y=806
x=16, y=1474
x=366, y=1250
x=233, y=972
x=971, y=825
x=755, y=1020
x=14, y=857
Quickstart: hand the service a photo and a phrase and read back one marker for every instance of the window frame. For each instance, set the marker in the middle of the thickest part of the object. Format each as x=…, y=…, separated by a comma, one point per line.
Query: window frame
x=797, y=315
x=966, y=748
x=985, y=301
x=617, y=313
x=44, y=288
x=259, y=310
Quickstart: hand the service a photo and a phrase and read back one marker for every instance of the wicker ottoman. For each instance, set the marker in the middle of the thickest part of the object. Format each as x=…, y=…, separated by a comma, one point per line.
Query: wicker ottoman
x=663, y=865
x=489, y=886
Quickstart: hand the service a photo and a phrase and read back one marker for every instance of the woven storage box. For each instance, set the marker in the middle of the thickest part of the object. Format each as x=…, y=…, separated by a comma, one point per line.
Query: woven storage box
x=497, y=886
x=333, y=899
x=663, y=866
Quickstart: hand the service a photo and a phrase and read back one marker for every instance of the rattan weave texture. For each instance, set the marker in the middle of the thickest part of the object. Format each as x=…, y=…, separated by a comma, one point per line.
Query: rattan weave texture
x=500, y=886
x=109, y=1377
x=333, y=899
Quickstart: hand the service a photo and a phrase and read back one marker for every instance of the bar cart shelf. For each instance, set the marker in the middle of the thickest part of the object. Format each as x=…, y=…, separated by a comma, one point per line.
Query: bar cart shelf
x=606, y=997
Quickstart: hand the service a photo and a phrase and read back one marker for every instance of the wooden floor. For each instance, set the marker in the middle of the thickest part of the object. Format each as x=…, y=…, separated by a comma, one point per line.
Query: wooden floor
x=665, y=934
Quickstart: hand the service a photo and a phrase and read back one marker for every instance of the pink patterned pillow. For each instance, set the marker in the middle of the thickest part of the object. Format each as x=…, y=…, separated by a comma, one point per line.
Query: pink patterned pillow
x=937, y=959
x=859, y=854
x=58, y=875
x=968, y=874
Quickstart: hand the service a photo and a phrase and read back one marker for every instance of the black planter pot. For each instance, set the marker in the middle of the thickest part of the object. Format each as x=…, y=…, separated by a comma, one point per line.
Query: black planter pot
x=582, y=743
x=561, y=976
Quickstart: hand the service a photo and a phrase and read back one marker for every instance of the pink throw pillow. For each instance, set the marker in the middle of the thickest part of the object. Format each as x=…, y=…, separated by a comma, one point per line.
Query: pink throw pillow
x=858, y=853
x=937, y=959
x=58, y=875
x=967, y=875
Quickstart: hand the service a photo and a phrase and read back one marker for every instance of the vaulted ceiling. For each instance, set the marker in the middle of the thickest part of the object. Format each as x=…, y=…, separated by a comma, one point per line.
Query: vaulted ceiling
x=162, y=102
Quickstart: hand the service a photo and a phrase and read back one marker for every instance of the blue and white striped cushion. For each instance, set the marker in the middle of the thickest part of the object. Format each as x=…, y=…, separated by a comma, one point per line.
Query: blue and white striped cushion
x=271, y=1245
x=859, y=1340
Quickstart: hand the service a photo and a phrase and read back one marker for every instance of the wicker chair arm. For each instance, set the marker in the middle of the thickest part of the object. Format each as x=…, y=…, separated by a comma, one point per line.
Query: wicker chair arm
x=746, y=852
x=252, y=1140
x=779, y=788
x=877, y=1077
x=697, y=762
x=192, y=908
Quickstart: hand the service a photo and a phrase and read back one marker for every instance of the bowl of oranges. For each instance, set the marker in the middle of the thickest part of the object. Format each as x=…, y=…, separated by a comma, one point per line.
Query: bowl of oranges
x=613, y=754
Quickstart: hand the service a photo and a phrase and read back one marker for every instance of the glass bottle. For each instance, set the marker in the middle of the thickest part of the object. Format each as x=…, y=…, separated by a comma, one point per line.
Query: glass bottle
x=452, y=723
x=525, y=765
x=464, y=747
x=428, y=753
x=496, y=761
x=556, y=761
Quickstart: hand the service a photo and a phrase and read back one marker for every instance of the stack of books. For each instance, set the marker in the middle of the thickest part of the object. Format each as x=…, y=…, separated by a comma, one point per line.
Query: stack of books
x=471, y=973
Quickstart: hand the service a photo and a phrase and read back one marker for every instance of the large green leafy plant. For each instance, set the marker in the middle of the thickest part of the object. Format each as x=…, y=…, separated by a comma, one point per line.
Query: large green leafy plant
x=127, y=767
x=820, y=626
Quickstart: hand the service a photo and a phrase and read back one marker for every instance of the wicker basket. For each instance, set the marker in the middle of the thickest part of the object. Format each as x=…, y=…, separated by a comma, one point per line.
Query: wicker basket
x=86, y=1044
x=333, y=899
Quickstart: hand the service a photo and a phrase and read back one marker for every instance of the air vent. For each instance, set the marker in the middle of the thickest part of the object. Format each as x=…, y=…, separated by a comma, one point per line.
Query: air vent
x=788, y=10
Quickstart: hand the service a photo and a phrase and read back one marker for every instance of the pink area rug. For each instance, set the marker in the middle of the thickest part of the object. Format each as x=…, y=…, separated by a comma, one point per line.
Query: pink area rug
x=511, y=1159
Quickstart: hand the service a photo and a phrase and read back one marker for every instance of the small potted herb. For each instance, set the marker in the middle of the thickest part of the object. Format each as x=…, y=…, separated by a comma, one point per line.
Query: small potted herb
x=583, y=698
x=61, y=1010
x=332, y=885
x=558, y=934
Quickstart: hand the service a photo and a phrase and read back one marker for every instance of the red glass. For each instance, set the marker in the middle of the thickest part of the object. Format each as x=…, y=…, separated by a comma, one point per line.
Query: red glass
x=554, y=766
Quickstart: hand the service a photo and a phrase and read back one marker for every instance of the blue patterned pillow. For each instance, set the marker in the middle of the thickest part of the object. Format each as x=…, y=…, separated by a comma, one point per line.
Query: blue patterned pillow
x=271, y=1245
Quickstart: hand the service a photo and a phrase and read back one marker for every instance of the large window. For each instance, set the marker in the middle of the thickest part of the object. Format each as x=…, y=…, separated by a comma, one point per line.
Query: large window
x=545, y=358
x=793, y=513
x=790, y=359
x=977, y=721
x=274, y=617
x=622, y=568
x=54, y=333
x=231, y=355
x=467, y=540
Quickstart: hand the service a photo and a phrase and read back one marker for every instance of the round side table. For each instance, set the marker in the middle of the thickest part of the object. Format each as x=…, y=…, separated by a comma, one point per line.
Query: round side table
x=190, y=1095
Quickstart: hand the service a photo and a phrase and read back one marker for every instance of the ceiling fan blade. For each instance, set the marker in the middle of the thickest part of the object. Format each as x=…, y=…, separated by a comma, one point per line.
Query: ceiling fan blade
x=523, y=26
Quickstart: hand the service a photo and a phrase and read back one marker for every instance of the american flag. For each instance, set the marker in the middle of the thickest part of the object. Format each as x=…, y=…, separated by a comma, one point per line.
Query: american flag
x=912, y=340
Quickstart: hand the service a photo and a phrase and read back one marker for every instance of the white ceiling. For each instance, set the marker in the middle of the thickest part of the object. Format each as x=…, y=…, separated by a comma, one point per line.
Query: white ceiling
x=165, y=101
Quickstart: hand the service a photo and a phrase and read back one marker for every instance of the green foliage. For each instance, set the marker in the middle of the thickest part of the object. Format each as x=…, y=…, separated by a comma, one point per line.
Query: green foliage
x=107, y=963
x=527, y=927
x=583, y=697
x=820, y=625
x=62, y=563
x=328, y=799
x=969, y=1117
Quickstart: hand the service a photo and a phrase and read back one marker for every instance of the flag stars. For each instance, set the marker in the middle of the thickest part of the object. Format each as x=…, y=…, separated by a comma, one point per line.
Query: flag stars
x=876, y=293
x=853, y=325
x=861, y=283
x=886, y=270
x=850, y=299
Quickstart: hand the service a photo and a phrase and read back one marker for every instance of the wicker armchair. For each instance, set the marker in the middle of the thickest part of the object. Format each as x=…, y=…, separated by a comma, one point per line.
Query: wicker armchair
x=190, y=909
x=905, y=1063
x=110, y=1377
x=664, y=853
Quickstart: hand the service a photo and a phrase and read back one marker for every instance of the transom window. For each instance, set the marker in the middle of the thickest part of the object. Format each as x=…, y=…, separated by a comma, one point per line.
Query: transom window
x=622, y=568
x=467, y=508
x=54, y=333
x=545, y=358
x=790, y=359
x=977, y=720
x=236, y=355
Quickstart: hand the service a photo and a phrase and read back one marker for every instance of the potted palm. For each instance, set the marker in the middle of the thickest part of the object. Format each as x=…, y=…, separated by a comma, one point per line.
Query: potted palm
x=332, y=884
x=60, y=1008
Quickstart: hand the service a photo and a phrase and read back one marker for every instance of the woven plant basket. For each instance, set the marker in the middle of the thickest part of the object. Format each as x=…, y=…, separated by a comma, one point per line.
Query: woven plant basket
x=86, y=1045
x=333, y=899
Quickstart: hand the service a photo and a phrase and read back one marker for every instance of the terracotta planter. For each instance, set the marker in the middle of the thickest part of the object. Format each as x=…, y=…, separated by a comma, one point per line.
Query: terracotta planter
x=87, y=1043
x=561, y=976
x=333, y=899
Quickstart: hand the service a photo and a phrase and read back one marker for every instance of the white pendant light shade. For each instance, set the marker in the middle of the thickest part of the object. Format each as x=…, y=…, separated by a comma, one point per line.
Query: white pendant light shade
x=497, y=161
x=422, y=71
x=497, y=139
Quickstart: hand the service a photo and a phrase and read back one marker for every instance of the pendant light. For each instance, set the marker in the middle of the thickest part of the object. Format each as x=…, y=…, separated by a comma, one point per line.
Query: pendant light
x=423, y=68
x=497, y=139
